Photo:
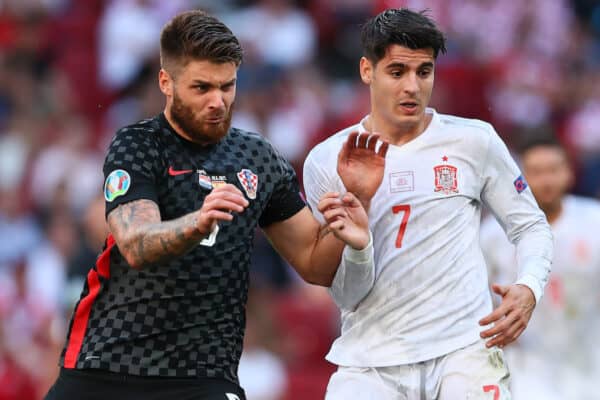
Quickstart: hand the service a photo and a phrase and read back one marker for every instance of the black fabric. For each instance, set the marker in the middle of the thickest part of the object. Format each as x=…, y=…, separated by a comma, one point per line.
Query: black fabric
x=99, y=385
x=186, y=317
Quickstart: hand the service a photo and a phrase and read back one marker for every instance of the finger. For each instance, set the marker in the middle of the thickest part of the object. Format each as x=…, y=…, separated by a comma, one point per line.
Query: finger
x=330, y=195
x=350, y=200
x=511, y=333
x=223, y=204
x=228, y=187
x=500, y=289
x=495, y=315
x=335, y=214
x=362, y=141
x=383, y=149
x=328, y=203
x=351, y=142
x=501, y=326
x=228, y=196
x=218, y=215
x=373, y=141
x=496, y=341
x=337, y=225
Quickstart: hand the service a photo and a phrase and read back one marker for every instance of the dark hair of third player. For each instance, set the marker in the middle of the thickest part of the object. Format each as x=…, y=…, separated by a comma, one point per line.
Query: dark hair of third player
x=414, y=30
x=195, y=35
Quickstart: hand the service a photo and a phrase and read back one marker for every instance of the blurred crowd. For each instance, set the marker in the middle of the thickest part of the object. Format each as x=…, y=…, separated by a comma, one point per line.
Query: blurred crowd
x=72, y=72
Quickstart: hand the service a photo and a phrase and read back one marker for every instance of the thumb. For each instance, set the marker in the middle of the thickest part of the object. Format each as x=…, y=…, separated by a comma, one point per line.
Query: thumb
x=350, y=200
x=500, y=289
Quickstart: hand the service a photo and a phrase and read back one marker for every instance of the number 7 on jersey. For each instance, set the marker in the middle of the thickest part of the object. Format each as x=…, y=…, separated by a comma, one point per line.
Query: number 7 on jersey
x=405, y=209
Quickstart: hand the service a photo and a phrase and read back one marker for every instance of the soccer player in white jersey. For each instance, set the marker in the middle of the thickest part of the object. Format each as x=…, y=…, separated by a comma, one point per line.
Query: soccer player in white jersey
x=557, y=358
x=424, y=327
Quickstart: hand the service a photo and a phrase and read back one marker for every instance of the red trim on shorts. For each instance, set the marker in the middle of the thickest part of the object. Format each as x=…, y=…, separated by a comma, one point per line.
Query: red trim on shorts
x=84, y=308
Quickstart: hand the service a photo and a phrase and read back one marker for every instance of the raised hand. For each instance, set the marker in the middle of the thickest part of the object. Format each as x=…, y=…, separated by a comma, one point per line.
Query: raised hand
x=511, y=316
x=361, y=166
x=218, y=205
x=346, y=218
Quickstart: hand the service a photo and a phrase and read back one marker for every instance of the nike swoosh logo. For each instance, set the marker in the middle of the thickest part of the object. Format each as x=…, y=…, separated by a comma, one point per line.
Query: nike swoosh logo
x=175, y=172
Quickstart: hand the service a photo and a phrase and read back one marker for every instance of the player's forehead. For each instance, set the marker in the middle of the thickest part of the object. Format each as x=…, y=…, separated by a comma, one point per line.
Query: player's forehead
x=539, y=156
x=209, y=72
x=397, y=54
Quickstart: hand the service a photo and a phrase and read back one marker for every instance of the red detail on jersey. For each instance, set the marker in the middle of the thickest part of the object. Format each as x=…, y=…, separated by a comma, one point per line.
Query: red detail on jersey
x=405, y=208
x=493, y=388
x=84, y=308
x=445, y=179
x=175, y=172
x=444, y=159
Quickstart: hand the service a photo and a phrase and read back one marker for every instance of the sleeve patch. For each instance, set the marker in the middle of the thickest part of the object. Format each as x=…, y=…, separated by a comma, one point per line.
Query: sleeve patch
x=520, y=184
x=117, y=184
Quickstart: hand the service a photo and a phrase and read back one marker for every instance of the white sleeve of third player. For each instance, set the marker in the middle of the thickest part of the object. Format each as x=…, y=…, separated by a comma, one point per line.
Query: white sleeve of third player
x=355, y=275
x=519, y=215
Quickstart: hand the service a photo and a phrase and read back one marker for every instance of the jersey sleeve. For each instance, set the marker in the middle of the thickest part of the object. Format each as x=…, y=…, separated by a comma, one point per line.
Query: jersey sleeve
x=355, y=275
x=286, y=200
x=506, y=193
x=130, y=169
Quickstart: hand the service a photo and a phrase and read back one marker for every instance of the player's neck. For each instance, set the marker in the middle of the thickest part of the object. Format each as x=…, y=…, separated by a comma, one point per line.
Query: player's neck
x=396, y=134
x=553, y=212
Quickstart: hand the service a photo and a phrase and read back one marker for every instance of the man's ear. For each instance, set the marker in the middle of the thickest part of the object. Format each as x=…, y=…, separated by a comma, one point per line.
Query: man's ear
x=165, y=82
x=366, y=70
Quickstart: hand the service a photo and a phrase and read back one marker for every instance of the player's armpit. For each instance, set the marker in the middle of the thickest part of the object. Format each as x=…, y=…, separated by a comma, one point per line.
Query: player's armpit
x=143, y=239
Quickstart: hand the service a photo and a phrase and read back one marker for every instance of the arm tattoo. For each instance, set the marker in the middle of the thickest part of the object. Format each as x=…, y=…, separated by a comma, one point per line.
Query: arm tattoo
x=144, y=239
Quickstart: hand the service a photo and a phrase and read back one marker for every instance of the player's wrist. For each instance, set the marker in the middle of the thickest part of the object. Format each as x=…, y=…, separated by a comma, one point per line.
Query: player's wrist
x=362, y=253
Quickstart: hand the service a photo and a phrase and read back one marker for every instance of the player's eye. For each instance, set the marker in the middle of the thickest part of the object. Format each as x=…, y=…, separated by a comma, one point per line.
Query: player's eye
x=424, y=73
x=396, y=74
x=202, y=88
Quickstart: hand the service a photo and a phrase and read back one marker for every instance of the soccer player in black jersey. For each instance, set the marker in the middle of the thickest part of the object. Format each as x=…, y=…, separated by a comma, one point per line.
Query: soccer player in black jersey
x=162, y=313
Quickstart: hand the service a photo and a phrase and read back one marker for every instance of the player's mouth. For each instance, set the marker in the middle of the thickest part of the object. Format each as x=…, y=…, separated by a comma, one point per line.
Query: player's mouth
x=215, y=120
x=409, y=107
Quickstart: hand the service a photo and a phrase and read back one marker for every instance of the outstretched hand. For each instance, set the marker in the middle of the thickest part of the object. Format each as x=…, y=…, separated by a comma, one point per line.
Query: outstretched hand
x=511, y=317
x=361, y=166
x=346, y=218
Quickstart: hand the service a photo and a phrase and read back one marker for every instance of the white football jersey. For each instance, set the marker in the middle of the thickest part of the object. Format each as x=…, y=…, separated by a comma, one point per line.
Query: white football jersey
x=431, y=285
x=564, y=327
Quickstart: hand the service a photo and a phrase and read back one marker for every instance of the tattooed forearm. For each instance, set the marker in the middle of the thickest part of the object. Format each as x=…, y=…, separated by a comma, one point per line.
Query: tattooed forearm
x=144, y=239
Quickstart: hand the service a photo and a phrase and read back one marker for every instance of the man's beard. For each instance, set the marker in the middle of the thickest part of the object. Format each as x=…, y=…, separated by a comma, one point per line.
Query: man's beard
x=184, y=117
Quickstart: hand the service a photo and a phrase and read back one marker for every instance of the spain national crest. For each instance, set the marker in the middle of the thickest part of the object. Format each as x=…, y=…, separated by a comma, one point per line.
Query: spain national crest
x=445, y=179
x=249, y=181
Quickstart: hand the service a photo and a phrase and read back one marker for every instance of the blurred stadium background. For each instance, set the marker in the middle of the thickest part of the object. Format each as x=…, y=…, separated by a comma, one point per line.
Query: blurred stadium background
x=73, y=71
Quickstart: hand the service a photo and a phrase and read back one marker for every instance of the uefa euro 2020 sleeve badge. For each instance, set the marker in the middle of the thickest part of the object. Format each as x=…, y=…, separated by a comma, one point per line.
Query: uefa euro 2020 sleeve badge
x=249, y=181
x=445, y=178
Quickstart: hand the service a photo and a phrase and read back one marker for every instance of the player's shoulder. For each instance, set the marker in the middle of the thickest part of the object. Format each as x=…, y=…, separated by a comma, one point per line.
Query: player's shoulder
x=329, y=148
x=141, y=132
x=248, y=141
x=584, y=208
x=474, y=135
x=471, y=125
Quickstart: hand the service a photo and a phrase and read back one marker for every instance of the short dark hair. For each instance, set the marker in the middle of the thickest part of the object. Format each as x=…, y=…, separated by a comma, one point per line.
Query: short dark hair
x=407, y=28
x=195, y=35
x=533, y=140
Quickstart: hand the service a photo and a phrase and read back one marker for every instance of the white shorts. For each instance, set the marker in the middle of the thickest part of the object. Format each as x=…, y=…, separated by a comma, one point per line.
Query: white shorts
x=473, y=372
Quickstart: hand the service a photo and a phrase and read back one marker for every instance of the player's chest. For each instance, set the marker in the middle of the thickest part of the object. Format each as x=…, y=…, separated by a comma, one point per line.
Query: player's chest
x=186, y=183
x=430, y=175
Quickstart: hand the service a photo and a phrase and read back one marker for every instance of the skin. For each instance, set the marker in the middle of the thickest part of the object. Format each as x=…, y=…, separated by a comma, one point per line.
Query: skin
x=547, y=171
x=401, y=84
x=199, y=99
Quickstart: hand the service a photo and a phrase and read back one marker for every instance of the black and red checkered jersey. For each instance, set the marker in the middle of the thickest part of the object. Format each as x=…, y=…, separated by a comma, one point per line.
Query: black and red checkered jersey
x=184, y=318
